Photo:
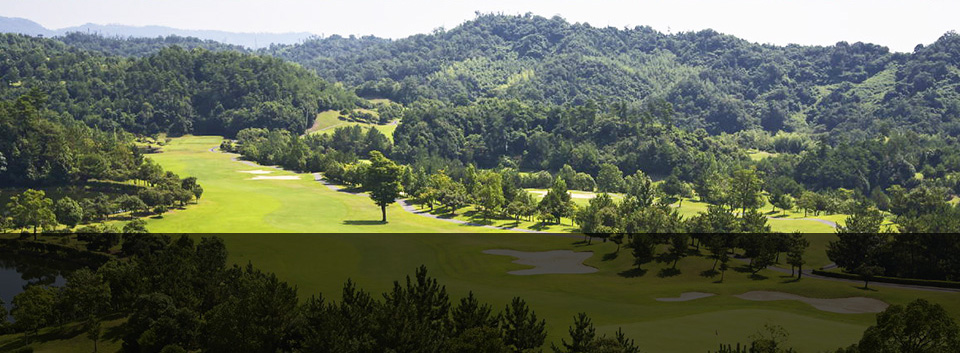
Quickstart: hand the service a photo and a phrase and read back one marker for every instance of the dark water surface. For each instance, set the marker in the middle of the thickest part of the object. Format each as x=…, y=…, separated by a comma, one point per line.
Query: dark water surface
x=19, y=271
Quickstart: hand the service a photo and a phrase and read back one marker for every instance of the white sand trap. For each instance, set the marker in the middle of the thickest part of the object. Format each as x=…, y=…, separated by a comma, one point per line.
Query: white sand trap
x=854, y=305
x=258, y=171
x=278, y=177
x=547, y=262
x=686, y=296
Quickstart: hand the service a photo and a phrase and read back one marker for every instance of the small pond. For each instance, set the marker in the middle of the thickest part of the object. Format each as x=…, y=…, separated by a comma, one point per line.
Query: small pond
x=18, y=271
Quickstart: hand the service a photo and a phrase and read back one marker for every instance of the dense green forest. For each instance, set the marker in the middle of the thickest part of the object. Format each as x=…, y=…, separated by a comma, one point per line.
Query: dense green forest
x=716, y=82
x=174, y=91
x=138, y=47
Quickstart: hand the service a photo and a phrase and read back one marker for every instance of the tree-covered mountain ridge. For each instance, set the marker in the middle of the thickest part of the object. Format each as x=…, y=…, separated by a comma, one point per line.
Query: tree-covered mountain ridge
x=165, y=89
x=715, y=81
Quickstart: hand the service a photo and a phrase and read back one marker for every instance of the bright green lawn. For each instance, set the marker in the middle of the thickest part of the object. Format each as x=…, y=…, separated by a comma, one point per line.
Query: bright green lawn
x=328, y=121
x=232, y=202
x=757, y=155
x=322, y=262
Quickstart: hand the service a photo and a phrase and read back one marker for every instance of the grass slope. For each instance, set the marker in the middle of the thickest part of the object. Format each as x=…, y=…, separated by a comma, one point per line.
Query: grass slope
x=326, y=122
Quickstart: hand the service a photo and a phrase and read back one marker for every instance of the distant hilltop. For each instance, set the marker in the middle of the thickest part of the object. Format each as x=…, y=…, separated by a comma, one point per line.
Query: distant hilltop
x=249, y=40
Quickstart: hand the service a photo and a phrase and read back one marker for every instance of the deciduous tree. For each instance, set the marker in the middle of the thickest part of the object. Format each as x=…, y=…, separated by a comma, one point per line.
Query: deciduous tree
x=382, y=181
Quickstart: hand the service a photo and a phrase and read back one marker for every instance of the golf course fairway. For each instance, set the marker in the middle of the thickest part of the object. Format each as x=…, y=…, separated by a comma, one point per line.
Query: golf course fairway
x=614, y=296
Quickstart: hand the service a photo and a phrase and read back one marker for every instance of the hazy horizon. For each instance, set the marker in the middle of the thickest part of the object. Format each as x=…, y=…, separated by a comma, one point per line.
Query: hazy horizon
x=896, y=24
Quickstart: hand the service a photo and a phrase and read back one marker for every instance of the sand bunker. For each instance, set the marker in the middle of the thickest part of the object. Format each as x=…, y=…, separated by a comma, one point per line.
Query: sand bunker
x=258, y=171
x=547, y=262
x=278, y=177
x=686, y=296
x=855, y=305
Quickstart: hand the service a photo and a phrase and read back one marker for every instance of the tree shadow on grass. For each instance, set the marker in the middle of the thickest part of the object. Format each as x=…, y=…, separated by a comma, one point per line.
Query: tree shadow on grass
x=711, y=273
x=115, y=333
x=539, y=226
x=866, y=289
x=668, y=272
x=64, y=333
x=363, y=222
x=610, y=256
x=757, y=277
x=633, y=273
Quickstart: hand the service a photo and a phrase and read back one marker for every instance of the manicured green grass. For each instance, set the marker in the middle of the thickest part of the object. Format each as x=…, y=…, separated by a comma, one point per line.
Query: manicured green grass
x=233, y=202
x=318, y=263
x=328, y=121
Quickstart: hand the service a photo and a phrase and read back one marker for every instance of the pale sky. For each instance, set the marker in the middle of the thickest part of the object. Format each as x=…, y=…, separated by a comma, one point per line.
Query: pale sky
x=900, y=25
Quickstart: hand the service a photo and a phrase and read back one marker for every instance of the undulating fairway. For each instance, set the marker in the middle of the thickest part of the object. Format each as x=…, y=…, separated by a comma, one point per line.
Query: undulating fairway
x=233, y=201
x=614, y=296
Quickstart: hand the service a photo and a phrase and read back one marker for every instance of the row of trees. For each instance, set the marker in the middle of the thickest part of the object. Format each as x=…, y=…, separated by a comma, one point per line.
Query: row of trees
x=33, y=211
x=864, y=247
x=327, y=153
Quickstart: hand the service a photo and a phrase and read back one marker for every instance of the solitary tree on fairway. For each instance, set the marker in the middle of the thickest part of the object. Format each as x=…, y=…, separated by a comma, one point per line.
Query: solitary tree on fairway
x=678, y=248
x=782, y=201
x=798, y=244
x=382, y=180
x=643, y=249
x=94, y=330
x=488, y=191
x=68, y=212
x=557, y=202
x=674, y=189
x=745, y=189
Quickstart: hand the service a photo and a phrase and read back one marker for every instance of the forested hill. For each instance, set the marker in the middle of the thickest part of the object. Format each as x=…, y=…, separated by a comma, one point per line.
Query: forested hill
x=173, y=90
x=141, y=46
x=714, y=81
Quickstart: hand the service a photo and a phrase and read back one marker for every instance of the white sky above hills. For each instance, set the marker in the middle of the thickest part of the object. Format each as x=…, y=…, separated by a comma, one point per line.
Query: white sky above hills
x=900, y=25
